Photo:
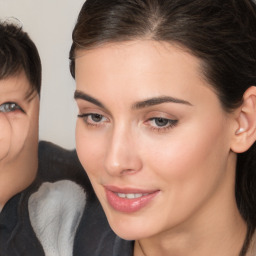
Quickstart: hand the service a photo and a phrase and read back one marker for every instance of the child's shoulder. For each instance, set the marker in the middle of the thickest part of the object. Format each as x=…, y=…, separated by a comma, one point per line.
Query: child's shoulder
x=55, y=211
x=57, y=163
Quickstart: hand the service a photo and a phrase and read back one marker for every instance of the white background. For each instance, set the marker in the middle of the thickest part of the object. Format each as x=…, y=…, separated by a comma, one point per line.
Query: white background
x=50, y=24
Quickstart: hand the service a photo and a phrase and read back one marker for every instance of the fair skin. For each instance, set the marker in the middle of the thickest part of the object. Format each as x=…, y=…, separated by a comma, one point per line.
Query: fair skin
x=19, y=135
x=151, y=128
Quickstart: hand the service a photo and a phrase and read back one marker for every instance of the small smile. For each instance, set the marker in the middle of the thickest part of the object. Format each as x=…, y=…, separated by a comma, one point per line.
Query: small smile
x=128, y=200
x=131, y=196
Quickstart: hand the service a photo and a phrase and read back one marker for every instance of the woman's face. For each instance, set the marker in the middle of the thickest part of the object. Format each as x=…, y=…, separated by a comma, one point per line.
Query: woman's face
x=152, y=137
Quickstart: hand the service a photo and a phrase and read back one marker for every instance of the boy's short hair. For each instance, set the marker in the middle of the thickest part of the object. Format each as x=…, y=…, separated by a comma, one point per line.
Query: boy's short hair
x=18, y=53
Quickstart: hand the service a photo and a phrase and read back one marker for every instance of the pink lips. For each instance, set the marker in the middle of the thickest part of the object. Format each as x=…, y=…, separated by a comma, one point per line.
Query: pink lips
x=128, y=200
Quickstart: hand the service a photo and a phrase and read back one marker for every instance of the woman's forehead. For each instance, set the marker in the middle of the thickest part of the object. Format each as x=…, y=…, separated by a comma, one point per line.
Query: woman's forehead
x=141, y=70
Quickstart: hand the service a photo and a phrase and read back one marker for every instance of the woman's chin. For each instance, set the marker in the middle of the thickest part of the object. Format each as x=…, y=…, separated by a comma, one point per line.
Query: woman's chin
x=128, y=231
x=128, y=234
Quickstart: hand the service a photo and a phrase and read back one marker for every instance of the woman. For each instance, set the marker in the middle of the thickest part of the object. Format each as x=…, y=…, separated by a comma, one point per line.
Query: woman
x=167, y=121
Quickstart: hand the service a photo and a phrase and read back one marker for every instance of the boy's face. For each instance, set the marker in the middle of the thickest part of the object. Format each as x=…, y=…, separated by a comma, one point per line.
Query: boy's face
x=18, y=136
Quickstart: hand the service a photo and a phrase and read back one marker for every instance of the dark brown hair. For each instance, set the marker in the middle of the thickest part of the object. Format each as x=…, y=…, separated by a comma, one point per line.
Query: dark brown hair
x=19, y=53
x=221, y=33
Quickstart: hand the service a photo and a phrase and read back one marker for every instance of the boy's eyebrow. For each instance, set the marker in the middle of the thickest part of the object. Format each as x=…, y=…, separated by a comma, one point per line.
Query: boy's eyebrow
x=138, y=105
x=30, y=95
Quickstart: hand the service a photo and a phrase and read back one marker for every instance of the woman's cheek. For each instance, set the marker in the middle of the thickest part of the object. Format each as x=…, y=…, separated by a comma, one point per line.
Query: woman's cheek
x=87, y=146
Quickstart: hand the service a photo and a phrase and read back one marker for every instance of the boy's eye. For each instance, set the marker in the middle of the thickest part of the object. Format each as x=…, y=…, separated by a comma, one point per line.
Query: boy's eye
x=9, y=107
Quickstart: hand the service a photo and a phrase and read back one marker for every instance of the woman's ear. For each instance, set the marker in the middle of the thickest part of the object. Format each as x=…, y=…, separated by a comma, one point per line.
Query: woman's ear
x=245, y=134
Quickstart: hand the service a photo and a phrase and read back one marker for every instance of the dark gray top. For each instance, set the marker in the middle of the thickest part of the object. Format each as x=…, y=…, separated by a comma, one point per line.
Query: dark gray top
x=93, y=235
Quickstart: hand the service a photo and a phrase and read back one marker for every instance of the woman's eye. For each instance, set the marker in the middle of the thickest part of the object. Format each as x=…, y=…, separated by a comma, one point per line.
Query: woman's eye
x=96, y=118
x=93, y=119
x=161, y=123
x=9, y=107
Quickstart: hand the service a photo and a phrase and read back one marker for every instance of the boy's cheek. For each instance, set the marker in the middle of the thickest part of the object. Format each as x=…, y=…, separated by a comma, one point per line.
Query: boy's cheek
x=5, y=136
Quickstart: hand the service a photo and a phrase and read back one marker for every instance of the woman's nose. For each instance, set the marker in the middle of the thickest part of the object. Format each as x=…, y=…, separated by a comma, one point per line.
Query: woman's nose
x=122, y=154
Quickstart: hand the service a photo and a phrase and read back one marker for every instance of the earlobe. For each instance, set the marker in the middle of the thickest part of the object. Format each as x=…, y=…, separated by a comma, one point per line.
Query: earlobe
x=245, y=133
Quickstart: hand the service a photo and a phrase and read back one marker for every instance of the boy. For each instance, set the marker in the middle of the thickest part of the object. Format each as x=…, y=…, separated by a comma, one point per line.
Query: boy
x=42, y=199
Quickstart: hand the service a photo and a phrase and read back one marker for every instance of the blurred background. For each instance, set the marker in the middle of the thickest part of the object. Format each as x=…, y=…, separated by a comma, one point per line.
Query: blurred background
x=49, y=24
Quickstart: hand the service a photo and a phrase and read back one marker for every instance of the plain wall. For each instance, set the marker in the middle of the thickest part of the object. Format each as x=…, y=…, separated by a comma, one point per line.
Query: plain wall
x=49, y=24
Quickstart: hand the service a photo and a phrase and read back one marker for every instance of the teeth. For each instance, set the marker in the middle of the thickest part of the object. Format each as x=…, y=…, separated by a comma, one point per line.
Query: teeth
x=121, y=195
x=130, y=196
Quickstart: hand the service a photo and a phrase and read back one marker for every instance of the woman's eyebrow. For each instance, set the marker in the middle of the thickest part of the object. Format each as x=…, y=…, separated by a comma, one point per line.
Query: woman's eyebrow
x=84, y=96
x=159, y=100
x=138, y=105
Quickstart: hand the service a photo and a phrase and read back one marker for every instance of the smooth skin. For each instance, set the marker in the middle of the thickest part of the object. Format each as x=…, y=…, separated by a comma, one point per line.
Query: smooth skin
x=180, y=148
x=19, y=111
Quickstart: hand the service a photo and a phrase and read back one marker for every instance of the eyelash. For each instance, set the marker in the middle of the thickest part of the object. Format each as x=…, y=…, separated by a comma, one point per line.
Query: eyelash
x=91, y=123
x=168, y=123
x=10, y=107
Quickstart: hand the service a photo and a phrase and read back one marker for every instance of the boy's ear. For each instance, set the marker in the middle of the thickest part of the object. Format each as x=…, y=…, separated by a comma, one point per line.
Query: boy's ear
x=245, y=134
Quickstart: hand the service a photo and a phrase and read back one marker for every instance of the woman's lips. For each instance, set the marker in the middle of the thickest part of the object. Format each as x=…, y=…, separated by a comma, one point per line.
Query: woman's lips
x=128, y=200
